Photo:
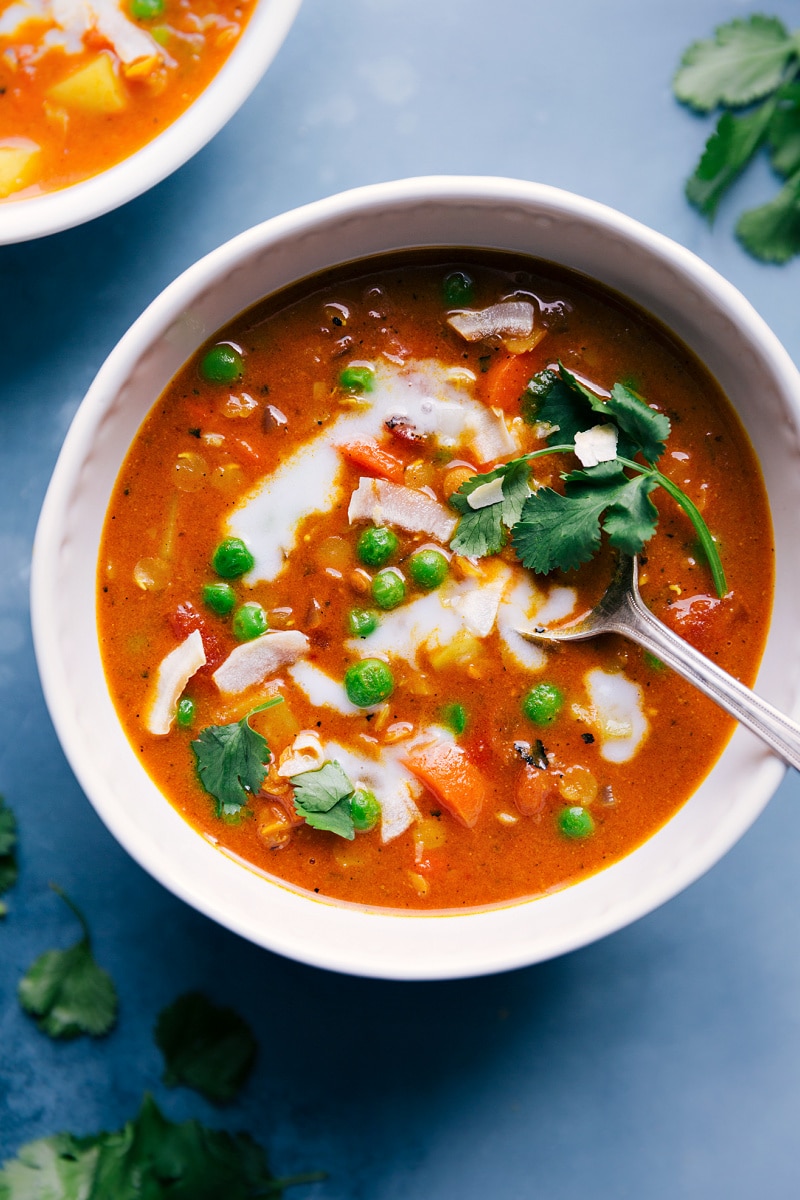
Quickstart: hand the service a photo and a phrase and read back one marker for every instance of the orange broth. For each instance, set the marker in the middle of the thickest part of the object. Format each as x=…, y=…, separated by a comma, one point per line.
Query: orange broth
x=75, y=101
x=206, y=445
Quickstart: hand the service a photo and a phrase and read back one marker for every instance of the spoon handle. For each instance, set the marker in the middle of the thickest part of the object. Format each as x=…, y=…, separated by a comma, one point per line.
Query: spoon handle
x=635, y=621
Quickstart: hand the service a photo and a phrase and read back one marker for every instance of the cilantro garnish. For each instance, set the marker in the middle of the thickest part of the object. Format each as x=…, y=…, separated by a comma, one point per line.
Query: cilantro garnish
x=322, y=797
x=232, y=761
x=66, y=991
x=208, y=1048
x=149, y=1157
x=8, y=857
x=553, y=530
x=752, y=65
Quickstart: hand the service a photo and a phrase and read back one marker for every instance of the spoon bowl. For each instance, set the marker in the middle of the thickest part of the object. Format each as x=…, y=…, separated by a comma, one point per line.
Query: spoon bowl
x=621, y=610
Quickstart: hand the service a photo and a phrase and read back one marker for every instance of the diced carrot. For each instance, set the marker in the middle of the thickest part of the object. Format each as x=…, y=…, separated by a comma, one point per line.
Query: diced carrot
x=506, y=380
x=457, y=784
x=371, y=457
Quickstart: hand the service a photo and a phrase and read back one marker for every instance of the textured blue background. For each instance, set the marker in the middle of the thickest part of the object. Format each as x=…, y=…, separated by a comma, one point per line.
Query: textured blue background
x=663, y=1062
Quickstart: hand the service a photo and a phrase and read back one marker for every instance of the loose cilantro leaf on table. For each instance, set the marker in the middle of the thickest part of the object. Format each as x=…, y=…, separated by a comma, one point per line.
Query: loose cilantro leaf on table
x=322, y=797
x=8, y=857
x=67, y=992
x=552, y=530
x=232, y=761
x=150, y=1158
x=747, y=61
x=206, y=1047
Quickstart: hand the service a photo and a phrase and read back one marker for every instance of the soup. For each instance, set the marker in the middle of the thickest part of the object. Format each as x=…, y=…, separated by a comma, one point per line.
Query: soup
x=311, y=590
x=86, y=83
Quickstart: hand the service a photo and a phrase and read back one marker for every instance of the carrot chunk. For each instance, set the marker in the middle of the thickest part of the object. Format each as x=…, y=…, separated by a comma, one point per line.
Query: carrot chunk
x=370, y=457
x=507, y=379
x=444, y=769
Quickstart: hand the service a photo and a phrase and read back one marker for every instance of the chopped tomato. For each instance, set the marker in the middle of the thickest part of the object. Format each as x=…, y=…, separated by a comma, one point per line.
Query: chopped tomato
x=371, y=457
x=184, y=620
x=457, y=784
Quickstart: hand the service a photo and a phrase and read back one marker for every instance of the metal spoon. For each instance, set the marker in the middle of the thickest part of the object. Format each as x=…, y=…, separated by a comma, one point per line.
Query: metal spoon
x=622, y=610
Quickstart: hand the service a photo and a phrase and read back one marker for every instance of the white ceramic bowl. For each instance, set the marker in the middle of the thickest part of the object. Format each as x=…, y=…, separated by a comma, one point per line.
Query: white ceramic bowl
x=704, y=310
x=21, y=220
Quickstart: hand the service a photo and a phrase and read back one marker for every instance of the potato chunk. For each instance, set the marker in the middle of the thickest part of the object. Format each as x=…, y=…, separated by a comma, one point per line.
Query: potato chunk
x=18, y=164
x=94, y=89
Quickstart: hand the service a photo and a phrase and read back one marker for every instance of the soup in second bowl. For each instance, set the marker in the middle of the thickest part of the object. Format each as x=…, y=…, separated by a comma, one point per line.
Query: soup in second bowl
x=86, y=83
x=332, y=527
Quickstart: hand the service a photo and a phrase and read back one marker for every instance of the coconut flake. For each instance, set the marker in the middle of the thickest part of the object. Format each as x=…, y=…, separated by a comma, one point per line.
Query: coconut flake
x=509, y=318
x=387, y=503
x=253, y=662
x=490, y=437
x=486, y=494
x=596, y=445
x=172, y=676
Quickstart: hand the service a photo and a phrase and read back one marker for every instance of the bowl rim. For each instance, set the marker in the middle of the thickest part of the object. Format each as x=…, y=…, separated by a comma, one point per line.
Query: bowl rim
x=52, y=212
x=458, y=958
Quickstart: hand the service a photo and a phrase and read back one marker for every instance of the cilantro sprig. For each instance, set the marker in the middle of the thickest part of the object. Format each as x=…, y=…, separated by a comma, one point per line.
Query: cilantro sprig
x=750, y=72
x=232, y=761
x=66, y=991
x=550, y=530
x=149, y=1157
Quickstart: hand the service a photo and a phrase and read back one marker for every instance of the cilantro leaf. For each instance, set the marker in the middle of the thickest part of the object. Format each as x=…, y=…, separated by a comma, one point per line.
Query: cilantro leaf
x=232, y=763
x=728, y=151
x=8, y=843
x=647, y=429
x=53, y=1168
x=743, y=62
x=481, y=530
x=772, y=231
x=148, y=1159
x=784, y=131
x=566, y=404
x=321, y=798
x=67, y=992
x=564, y=531
x=205, y=1047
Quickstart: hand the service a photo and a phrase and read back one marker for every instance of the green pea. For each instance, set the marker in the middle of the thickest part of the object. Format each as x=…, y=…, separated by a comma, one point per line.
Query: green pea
x=365, y=810
x=388, y=588
x=455, y=716
x=232, y=558
x=458, y=288
x=249, y=621
x=222, y=364
x=219, y=597
x=655, y=664
x=146, y=10
x=185, y=713
x=357, y=379
x=575, y=822
x=428, y=568
x=368, y=682
x=543, y=703
x=376, y=545
x=362, y=622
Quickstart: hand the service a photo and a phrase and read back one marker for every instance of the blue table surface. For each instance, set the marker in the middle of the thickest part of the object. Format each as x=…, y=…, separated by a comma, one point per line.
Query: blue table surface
x=661, y=1062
